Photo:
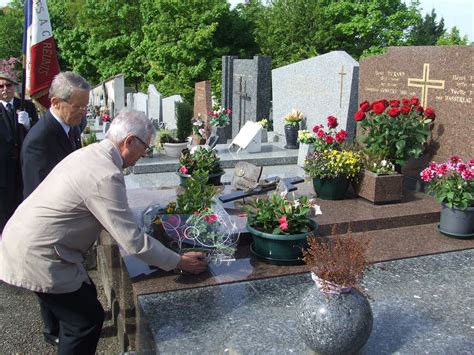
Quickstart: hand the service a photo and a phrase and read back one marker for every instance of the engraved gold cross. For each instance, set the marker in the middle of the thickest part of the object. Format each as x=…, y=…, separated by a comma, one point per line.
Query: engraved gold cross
x=425, y=83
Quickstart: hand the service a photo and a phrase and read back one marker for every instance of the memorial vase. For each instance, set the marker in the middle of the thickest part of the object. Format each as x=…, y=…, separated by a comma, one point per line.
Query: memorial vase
x=457, y=223
x=291, y=135
x=379, y=189
x=331, y=188
x=174, y=149
x=280, y=247
x=334, y=321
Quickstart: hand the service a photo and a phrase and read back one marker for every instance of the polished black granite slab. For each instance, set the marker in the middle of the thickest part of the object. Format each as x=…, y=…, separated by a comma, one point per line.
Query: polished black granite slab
x=420, y=305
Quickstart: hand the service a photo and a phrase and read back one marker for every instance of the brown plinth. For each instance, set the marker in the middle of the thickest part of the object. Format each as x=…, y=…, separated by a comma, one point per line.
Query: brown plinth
x=379, y=189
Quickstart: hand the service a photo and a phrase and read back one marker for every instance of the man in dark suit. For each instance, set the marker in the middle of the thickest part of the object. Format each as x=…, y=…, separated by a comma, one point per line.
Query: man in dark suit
x=55, y=136
x=14, y=124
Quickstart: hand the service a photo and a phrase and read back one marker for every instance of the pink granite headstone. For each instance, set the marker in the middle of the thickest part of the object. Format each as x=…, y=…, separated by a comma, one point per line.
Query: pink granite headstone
x=203, y=103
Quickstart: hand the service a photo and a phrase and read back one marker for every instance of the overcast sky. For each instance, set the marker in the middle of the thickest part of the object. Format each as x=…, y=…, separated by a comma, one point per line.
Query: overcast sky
x=457, y=13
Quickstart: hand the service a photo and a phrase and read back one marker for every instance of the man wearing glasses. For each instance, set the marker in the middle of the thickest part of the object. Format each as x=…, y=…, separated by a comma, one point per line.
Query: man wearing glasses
x=55, y=136
x=14, y=124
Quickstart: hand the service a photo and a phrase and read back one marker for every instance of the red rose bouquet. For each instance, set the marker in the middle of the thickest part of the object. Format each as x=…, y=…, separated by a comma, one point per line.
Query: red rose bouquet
x=323, y=139
x=395, y=130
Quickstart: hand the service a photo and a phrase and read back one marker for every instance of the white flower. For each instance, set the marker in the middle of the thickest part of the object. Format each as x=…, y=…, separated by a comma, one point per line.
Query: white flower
x=296, y=203
x=284, y=193
x=383, y=162
x=317, y=210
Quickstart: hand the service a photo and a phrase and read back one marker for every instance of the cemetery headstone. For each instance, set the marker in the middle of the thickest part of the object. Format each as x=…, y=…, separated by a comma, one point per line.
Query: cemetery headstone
x=442, y=77
x=319, y=87
x=203, y=103
x=130, y=100
x=140, y=102
x=155, y=110
x=115, y=93
x=169, y=110
x=251, y=90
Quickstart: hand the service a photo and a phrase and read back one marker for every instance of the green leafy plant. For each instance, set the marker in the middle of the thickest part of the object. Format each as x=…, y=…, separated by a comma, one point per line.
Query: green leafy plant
x=278, y=215
x=395, y=130
x=331, y=163
x=184, y=124
x=293, y=118
x=202, y=158
x=451, y=182
x=220, y=117
x=89, y=139
x=164, y=136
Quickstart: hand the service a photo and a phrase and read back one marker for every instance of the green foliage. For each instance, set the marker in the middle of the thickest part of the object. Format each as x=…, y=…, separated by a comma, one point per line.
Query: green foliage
x=11, y=25
x=164, y=136
x=331, y=163
x=202, y=159
x=89, y=139
x=427, y=31
x=197, y=194
x=453, y=38
x=184, y=124
x=276, y=214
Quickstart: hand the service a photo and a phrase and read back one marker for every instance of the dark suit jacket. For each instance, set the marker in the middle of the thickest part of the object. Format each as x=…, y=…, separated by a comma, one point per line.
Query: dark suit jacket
x=44, y=147
x=11, y=140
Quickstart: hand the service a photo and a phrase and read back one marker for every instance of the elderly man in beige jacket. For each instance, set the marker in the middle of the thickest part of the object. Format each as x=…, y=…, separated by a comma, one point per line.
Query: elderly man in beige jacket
x=44, y=241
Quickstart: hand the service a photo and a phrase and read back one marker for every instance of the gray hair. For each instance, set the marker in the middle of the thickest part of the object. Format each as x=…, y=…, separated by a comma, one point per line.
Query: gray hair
x=130, y=123
x=65, y=83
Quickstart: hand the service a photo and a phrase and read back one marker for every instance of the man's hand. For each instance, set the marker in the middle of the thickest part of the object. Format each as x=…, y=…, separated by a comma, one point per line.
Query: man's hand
x=23, y=118
x=193, y=262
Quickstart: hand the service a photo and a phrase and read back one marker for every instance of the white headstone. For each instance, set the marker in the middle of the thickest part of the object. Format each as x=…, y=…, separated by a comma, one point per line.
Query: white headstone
x=154, y=104
x=322, y=86
x=130, y=100
x=140, y=102
x=115, y=94
x=169, y=110
x=249, y=137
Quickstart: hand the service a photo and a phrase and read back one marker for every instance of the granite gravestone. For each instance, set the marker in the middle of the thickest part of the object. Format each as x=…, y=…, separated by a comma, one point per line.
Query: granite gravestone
x=250, y=81
x=169, y=110
x=203, y=103
x=319, y=87
x=130, y=100
x=115, y=94
x=442, y=77
x=155, y=112
x=140, y=102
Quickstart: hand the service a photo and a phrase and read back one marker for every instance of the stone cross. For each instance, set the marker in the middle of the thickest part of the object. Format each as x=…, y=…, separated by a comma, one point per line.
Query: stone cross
x=341, y=73
x=243, y=97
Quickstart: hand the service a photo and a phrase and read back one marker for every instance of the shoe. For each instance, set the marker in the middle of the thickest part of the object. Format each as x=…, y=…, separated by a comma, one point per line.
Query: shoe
x=51, y=339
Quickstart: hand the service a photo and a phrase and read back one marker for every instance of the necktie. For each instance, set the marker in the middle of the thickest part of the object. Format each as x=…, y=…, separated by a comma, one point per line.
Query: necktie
x=72, y=138
x=11, y=116
x=9, y=108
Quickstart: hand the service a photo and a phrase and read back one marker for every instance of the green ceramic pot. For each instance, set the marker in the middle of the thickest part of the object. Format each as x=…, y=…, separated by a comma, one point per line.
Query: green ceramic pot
x=214, y=179
x=331, y=189
x=280, y=247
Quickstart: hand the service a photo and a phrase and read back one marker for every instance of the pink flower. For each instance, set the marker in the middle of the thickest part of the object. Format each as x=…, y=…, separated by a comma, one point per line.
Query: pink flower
x=320, y=133
x=427, y=175
x=183, y=170
x=442, y=169
x=283, y=223
x=332, y=122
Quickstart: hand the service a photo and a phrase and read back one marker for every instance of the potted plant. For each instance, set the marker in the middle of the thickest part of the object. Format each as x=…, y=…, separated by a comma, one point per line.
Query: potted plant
x=452, y=183
x=394, y=130
x=334, y=317
x=279, y=226
x=201, y=158
x=220, y=117
x=332, y=171
x=174, y=142
x=292, y=126
x=379, y=182
x=199, y=130
x=264, y=124
x=320, y=139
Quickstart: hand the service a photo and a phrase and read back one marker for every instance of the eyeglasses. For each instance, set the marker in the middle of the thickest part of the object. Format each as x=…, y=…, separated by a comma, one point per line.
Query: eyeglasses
x=6, y=86
x=148, y=148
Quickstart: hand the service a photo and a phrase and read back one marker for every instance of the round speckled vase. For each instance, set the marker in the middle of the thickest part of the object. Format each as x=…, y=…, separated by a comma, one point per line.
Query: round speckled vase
x=336, y=321
x=291, y=135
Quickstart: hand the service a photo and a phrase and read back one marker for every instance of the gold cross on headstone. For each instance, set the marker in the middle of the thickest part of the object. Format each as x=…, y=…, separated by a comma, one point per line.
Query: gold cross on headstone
x=425, y=83
x=341, y=73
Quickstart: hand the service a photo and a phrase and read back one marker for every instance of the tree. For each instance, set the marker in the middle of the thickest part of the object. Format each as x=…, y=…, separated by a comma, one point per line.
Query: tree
x=452, y=38
x=427, y=31
x=11, y=25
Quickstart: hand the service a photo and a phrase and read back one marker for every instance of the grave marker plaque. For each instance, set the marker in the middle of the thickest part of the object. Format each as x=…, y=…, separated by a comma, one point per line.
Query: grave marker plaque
x=203, y=103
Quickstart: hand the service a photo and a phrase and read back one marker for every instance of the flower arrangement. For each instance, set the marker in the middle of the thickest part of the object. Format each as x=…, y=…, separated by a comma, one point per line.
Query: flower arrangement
x=378, y=165
x=104, y=114
x=263, y=123
x=395, y=130
x=199, y=126
x=332, y=163
x=293, y=118
x=276, y=214
x=321, y=139
x=202, y=158
x=451, y=182
x=220, y=117
x=338, y=263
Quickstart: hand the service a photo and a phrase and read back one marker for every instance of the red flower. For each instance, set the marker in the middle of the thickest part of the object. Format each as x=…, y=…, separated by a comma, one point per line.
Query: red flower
x=365, y=106
x=405, y=110
x=378, y=107
x=183, y=170
x=359, y=115
x=419, y=108
x=405, y=101
x=329, y=139
x=341, y=136
x=414, y=101
x=317, y=128
x=394, y=103
x=320, y=133
x=332, y=122
x=394, y=112
x=283, y=223
x=429, y=112
x=212, y=218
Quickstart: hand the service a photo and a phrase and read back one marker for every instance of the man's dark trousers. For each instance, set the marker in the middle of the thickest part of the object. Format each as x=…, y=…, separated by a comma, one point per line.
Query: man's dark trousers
x=80, y=316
